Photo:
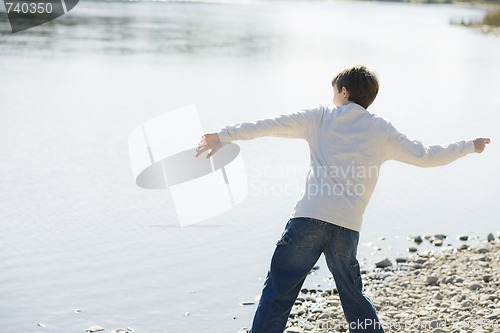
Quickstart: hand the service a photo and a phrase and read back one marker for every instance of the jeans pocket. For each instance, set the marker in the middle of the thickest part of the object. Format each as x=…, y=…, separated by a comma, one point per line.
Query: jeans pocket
x=346, y=243
x=301, y=232
x=283, y=240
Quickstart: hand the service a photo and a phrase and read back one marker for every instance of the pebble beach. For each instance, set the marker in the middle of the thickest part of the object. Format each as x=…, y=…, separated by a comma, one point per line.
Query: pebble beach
x=449, y=289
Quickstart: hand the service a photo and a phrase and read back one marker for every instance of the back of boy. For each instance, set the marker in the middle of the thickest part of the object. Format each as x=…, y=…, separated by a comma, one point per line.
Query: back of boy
x=347, y=147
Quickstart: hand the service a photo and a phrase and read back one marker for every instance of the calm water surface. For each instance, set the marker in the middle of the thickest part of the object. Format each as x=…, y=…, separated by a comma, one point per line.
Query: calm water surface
x=75, y=231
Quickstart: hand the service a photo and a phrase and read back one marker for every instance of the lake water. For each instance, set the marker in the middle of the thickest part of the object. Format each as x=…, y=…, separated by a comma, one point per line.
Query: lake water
x=77, y=233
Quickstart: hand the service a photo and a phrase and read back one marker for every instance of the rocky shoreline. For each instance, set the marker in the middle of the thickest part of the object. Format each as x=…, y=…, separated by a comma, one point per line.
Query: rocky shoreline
x=452, y=290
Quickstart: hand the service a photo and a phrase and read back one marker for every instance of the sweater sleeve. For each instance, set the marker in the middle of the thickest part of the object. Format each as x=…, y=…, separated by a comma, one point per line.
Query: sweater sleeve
x=401, y=148
x=293, y=125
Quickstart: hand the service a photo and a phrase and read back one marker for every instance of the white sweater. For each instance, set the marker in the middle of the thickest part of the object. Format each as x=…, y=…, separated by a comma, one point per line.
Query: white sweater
x=347, y=145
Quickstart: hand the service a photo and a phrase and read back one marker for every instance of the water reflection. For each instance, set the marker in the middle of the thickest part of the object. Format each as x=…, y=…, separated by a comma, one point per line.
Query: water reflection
x=145, y=27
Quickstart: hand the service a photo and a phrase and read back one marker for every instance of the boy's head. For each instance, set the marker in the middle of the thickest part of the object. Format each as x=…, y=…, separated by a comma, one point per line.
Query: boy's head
x=357, y=84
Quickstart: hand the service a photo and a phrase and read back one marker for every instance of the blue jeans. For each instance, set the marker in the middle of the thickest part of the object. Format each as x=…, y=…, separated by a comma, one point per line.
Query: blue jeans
x=297, y=251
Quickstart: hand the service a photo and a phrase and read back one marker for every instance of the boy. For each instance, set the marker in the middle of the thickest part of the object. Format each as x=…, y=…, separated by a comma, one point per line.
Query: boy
x=347, y=145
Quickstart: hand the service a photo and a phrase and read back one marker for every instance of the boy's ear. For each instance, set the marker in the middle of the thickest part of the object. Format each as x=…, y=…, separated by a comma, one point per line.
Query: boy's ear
x=345, y=93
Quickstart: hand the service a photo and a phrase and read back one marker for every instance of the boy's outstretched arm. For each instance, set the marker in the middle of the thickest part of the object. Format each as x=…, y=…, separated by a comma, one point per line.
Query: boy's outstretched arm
x=293, y=125
x=401, y=148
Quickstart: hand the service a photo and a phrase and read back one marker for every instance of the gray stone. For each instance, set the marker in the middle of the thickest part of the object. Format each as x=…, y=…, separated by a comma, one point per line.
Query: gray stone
x=383, y=263
x=487, y=278
x=334, y=303
x=298, y=312
x=432, y=279
x=123, y=330
x=311, y=299
x=475, y=286
x=438, y=296
x=466, y=304
x=324, y=316
x=95, y=328
x=464, y=238
x=491, y=238
x=448, y=279
x=416, y=239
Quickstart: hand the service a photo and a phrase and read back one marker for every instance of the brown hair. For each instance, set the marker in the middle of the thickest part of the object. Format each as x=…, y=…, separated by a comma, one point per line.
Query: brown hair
x=361, y=83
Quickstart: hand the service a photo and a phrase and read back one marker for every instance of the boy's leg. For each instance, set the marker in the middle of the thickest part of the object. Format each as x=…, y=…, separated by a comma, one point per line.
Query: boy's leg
x=341, y=259
x=296, y=253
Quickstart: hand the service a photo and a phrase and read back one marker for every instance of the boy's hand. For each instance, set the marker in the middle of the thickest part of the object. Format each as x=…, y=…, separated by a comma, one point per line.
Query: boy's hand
x=480, y=144
x=209, y=141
